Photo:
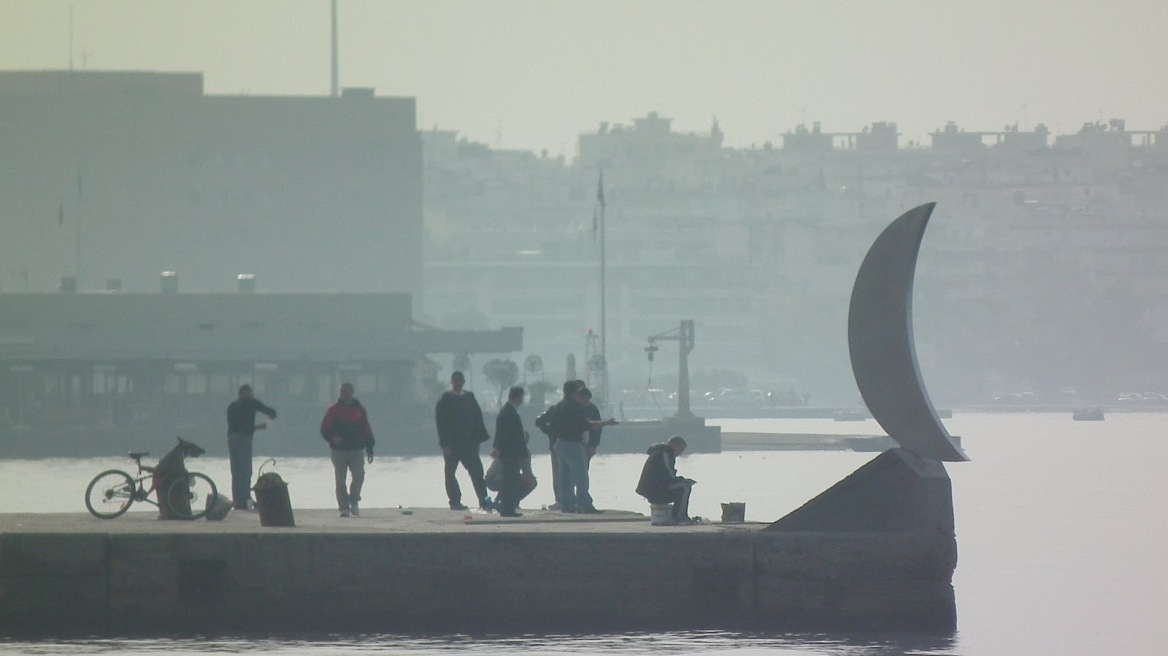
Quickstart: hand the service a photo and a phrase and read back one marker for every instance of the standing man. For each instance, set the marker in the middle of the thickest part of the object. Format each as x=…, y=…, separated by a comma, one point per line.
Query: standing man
x=241, y=428
x=544, y=422
x=460, y=432
x=592, y=438
x=512, y=452
x=593, y=414
x=571, y=424
x=346, y=429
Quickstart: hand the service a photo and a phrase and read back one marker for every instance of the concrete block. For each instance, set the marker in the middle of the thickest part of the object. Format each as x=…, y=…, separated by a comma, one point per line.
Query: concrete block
x=884, y=581
x=52, y=583
x=477, y=578
x=896, y=491
x=57, y=605
x=855, y=556
x=855, y=606
x=39, y=554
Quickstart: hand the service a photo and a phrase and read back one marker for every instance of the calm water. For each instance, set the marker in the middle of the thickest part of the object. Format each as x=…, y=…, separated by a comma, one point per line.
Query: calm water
x=1061, y=528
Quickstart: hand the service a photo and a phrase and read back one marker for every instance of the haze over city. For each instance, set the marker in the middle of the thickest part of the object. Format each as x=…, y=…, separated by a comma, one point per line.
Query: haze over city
x=751, y=153
x=207, y=205
x=533, y=75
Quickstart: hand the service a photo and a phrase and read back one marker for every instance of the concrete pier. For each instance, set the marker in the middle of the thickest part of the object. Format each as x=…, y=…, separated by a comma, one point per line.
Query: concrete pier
x=415, y=570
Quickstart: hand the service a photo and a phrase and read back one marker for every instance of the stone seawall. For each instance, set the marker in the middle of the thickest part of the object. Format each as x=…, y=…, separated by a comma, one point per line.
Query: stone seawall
x=432, y=570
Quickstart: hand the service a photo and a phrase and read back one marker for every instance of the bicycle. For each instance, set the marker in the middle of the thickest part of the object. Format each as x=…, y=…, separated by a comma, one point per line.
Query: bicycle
x=111, y=493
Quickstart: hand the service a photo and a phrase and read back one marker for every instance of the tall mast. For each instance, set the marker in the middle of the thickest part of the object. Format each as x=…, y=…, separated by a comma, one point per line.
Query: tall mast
x=603, y=318
x=70, y=37
x=334, y=89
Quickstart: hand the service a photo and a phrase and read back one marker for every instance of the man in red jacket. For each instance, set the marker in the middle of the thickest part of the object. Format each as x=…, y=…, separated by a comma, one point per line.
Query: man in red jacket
x=346, y=428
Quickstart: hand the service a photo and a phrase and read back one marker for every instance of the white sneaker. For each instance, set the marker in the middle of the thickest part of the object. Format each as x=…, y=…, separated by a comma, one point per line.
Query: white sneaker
x=354, y=509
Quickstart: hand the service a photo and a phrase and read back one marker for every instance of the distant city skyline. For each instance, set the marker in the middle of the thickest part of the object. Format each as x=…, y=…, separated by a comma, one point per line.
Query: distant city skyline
x=534, y=75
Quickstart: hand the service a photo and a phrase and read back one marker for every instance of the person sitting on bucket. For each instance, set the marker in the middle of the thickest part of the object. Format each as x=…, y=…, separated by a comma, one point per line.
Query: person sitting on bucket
x=659, y=482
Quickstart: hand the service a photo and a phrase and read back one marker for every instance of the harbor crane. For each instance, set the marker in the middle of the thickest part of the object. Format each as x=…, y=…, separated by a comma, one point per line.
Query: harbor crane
x=684, y=336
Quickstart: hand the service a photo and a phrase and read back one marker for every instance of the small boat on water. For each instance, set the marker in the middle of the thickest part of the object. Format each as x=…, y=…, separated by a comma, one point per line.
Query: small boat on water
x=1088, y=414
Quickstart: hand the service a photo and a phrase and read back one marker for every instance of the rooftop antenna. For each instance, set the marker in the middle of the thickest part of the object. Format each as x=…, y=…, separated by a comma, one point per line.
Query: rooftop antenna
x=334, y=89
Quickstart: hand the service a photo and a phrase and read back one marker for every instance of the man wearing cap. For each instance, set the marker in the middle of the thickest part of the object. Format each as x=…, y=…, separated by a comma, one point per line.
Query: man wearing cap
x=571, y=424
x=545, y=421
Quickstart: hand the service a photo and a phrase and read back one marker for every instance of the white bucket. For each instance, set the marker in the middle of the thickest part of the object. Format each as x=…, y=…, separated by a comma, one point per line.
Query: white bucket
x=661, y=514
x=733, y=512
x=217, y=507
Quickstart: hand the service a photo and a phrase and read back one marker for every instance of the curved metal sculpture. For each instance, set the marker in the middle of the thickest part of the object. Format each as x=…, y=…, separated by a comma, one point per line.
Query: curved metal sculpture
x=880, y=340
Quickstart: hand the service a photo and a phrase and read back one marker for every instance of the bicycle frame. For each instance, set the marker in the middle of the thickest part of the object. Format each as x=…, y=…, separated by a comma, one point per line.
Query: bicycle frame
x=141, y=493
x=111, y=493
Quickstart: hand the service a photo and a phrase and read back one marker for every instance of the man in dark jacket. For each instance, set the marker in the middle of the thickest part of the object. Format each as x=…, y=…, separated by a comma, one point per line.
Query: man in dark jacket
x=660, y=483
x=544, y=423
x=571, y=425
x=593, y=414
x=241, y=428
x=512, y=453
x=346, y=428
x=461, y=430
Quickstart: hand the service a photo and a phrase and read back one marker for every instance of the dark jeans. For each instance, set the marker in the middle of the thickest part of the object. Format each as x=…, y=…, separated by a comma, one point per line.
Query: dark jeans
x=677, y=494
x=555, y=469
x=239, y=450
x=468, y=455
x=513, y=489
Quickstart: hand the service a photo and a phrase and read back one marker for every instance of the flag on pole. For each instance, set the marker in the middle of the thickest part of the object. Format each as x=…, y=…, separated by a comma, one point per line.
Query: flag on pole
x=595, y=224
x=600, y=191
x=61, y=214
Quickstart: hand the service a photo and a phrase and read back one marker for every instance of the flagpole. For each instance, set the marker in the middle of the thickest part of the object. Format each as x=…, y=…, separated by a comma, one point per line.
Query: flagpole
x=77, y=245
x=603, y=318
x=77, y=250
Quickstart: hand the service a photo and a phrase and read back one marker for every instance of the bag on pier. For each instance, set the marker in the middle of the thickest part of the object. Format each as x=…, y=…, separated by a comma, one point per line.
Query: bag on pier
x=494, y=475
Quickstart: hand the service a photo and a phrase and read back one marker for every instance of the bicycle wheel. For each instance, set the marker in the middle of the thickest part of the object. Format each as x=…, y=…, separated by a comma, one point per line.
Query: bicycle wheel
x=188, y=495
x=109, y=494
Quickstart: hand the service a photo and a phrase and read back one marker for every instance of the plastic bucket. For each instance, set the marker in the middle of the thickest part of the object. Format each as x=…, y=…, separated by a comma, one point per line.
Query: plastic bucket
x=661, y=514
x=217, y=507
x=733, y=513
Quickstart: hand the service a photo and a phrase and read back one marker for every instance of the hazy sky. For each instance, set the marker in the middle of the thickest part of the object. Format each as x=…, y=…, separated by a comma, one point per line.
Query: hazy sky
x=527, y=74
